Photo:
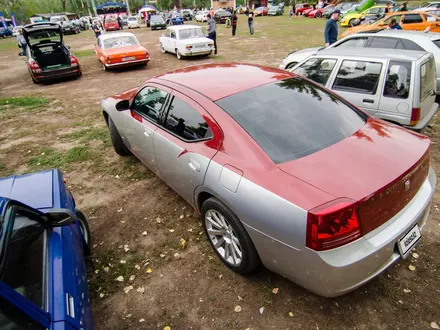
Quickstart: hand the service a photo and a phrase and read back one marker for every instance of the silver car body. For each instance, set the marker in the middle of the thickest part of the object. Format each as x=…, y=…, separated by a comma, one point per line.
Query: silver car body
x=429, y=42
x=397, y=110
x=280, y=241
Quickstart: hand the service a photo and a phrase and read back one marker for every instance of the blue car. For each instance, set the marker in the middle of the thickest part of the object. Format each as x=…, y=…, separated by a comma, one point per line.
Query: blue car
x=44, y=240
x=5, y=32
x=176, y=20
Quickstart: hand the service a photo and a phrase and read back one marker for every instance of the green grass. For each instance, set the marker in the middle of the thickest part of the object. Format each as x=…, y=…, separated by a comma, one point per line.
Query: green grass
x=9, y=44
x=50, y=158
x=25, y=102
x=91, y=134
x=84, y=53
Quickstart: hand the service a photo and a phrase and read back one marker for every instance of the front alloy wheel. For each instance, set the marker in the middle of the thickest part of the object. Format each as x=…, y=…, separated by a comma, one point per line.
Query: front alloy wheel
x=162, y=48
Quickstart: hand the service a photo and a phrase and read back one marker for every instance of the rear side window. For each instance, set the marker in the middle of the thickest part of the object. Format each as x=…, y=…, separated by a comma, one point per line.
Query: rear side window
x=354, y=43
x=149, y=103
x=398, y=80
x=381, y=42
x=436, y=42
x=412, y=19
x=411, y=45
x=317, y=69
x=186, y=122
x=292, y=118
x=427, y=78
x=358, y=77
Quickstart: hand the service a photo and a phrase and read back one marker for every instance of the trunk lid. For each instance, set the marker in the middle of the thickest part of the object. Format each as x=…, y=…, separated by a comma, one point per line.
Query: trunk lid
x=372, y=166
x=38, y=32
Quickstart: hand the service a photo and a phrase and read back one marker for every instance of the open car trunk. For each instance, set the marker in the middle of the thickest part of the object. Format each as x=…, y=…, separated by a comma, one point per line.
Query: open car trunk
x=51, y=55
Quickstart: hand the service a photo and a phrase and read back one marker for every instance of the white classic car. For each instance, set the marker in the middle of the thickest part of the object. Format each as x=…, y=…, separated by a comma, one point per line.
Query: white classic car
x=202, y=16
x=186, y=40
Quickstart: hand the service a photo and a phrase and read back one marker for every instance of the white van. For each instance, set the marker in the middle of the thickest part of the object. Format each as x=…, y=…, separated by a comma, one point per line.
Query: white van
x=396, y=87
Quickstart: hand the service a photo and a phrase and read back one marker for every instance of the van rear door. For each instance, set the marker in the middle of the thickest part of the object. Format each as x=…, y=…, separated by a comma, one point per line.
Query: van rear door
x=426, y=78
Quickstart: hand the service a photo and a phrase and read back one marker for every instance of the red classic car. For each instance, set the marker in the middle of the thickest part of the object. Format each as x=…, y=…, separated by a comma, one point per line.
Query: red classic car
x=299, y=8
x=319, y=12
x=308, y=11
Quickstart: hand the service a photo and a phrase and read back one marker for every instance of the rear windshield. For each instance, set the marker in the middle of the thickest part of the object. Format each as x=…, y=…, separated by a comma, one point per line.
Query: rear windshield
x=191, y=33
x=43, y=36
x=427, y=79
x=156, y=18
x=120, y=42
x=293, y=118
x=132, y=19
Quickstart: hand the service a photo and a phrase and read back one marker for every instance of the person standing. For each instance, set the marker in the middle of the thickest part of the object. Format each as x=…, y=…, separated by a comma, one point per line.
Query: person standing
x=96, y=29
x=234, y=19
x=251, y=22
x=387, y=8
x=21, y=41
x=120, y=22
x=331, y=28
x=211, y=31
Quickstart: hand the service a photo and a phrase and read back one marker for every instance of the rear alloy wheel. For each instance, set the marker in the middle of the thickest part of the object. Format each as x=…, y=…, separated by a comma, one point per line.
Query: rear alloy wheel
x=318, y=15
x=119, y=146
x=350, y=22
x=228, y=237
x=179, y=56
x=162, y=48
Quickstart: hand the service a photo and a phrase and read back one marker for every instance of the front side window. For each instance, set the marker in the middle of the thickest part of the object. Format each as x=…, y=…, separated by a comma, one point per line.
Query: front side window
x=360, y=42
x=317, y=69
x=398, y=80
x=412, y=19
x=186, y=122
x=396, y=17
x=358, y=77
x=292, y=118
x=14, y=319
x=173, y=34
x=149, y=103
x=23, y=253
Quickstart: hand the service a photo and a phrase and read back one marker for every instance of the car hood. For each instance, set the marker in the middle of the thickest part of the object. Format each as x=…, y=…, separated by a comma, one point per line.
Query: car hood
x=302, y=54
x=35, y=190
x=363, y=163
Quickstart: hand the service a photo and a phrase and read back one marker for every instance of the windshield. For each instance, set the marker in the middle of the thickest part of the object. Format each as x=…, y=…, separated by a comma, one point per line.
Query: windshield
x=293, y=118
x=111, y=20
x=132, y=19
x=190, y=33
x=156, y=18
x=43, y=36
x=119, y=42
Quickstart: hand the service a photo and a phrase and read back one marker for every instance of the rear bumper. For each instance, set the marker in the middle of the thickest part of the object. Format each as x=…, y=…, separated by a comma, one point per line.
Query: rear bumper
x=56, y=74
x=127, y=63
x=198, y=52
x=425, y=120
x=335, y=272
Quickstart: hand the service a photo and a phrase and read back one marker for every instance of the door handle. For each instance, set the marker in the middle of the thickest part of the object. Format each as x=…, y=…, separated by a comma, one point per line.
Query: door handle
x=194, y=165
x=368, y=101
x=148, y=133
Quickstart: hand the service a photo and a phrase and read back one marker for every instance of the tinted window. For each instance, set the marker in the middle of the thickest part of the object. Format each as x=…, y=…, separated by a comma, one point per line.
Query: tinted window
x=379, y=42
x=411, y=45
x=358, y=77
x=412, y=19
x=292, y=118
x=436, y=42
x=23, y=264
x=185, y=122
x=398, y=80
x=396, y=17
x=317, y=69
x=11, y=318
x=354, y=42
x=149, y=103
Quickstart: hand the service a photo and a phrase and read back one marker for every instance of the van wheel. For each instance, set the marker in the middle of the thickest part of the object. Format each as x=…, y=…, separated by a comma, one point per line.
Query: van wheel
x=119, y=146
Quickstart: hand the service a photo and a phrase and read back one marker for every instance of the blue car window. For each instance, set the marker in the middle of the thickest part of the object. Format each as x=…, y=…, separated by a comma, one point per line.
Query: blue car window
x=24, y=252
x=14, y=319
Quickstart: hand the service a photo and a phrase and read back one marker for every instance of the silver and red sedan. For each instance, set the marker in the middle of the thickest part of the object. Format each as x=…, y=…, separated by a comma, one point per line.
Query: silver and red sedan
x=282, y=171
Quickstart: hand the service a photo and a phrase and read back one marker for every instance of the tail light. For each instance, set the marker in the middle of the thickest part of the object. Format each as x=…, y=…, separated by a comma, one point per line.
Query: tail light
x=415, y=116
x=34, y=66
x=211, y=45
x=189, y=47
x=332, y=225
x=109, y=60
x=73, y=61
x=147, y=55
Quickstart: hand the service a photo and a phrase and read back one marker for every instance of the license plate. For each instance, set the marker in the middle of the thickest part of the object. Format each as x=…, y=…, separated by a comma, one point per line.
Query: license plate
x=199, y=46
x=407, y=242
x=128, y=58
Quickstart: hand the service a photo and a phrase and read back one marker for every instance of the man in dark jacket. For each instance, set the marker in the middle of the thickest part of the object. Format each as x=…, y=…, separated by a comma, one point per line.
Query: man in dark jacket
x=234, y=20
x=331, y=28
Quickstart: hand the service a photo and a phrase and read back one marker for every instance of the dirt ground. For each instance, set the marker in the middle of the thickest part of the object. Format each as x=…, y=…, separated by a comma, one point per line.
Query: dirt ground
x=138, y=223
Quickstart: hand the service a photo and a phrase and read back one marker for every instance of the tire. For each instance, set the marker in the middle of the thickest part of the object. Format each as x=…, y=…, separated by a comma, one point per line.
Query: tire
x=350, y=22
x=85, y=230
x=119, y=146
x=162, y=49
x=178, y=55
x=105, y=68
x=235, y=240
x=318, y=15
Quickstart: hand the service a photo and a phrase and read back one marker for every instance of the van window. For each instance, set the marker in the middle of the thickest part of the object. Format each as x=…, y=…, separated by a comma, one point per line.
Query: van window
x=358, y=77
x=317, y=69
x=398, y=80
x=427, y=79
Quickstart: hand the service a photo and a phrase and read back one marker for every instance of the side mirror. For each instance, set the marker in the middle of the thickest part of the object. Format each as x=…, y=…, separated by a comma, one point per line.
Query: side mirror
x=122, y=105
x=61, y=217
x=21, y=54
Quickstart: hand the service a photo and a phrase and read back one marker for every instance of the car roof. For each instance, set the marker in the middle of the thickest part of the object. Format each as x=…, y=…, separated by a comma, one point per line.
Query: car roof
x=182, y=27
x=373, y=53
x=413, y=35
x=218, y=80
x=115, y=35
